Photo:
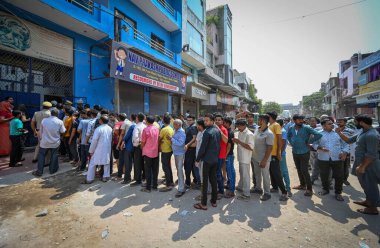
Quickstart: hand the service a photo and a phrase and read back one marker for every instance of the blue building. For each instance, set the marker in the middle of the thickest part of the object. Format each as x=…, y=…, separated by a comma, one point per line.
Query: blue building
x=72, y=49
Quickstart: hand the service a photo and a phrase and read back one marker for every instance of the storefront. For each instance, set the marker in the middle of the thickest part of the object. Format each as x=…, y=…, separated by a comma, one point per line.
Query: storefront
x=369, y=103
x=196, y=93
x=145, y=85
x=227, y=104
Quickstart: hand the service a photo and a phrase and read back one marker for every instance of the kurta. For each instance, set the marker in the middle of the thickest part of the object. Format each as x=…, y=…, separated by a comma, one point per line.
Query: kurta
x=101, y=145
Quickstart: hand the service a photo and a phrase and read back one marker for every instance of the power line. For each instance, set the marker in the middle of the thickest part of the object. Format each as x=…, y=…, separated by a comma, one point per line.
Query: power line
x=319, y=12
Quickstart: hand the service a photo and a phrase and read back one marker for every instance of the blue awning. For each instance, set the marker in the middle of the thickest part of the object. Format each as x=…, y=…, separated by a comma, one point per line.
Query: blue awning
x=369, y=61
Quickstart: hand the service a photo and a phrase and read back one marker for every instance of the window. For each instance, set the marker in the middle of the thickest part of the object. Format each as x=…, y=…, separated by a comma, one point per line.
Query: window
x=195, y=39
x=124, y=25
x=196, y=6
x=374, y=73
x=216, y=38
x=229, y=46
x=189, y=70
x=157, y=43
x=209, y=60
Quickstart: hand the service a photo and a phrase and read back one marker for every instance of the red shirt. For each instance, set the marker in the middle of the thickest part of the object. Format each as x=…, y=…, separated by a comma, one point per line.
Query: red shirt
x=116, y=132
x=223, y=145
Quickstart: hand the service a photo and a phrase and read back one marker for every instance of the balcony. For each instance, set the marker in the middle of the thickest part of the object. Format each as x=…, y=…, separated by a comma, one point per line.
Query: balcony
x=84, y=17
x=208, y=77
x=162, y=12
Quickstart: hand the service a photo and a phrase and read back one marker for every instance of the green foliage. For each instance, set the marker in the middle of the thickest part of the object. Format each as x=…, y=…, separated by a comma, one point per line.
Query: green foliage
x=252, y=92
x=212, y=19
x=312, y=104
x=272, y=106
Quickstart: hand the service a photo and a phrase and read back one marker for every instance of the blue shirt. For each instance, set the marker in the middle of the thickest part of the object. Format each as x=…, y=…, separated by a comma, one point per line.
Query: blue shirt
x=14, y=126
x=128, y=139
x=83, y=124
x=301, y=138
x=178, y=142
x=332, y=142
x=284, y=137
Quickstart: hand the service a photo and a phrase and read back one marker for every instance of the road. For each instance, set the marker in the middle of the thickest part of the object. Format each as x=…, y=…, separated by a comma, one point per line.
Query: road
x=77, y=217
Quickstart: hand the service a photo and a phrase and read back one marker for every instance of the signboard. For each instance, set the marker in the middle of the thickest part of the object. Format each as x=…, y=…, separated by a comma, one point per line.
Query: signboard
x=368, y=98
x=227, y=99
x=130, y=66
x=26, y=38
x=199, y=93
x=369, y=61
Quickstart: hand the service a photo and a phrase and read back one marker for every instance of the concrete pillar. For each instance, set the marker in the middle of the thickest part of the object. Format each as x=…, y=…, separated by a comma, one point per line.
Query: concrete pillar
x=146, y=100
x=170, y=103
x=116, y=101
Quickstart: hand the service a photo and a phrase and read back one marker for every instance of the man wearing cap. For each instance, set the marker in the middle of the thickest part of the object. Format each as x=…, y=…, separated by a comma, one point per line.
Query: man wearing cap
x=69, y=104
x=36, y=125
x=299, y=137
x=244, y=144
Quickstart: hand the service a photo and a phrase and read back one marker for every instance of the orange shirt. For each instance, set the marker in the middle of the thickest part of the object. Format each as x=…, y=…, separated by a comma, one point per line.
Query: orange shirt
x=68, y=124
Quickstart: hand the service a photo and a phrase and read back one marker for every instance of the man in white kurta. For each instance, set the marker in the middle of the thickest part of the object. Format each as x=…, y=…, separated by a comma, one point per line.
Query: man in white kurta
x=100, y=150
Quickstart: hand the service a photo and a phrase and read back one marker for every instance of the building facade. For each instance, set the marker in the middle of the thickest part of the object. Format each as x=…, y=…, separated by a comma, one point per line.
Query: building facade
x=124, y=55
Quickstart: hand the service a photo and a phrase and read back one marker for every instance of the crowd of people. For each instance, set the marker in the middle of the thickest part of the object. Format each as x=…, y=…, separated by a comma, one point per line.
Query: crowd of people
x=94, y=139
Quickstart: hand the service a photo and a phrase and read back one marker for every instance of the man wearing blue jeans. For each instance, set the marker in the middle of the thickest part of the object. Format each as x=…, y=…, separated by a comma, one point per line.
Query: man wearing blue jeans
x=231, y=174
x=222, y=153
x=51, y=130
x=82, y=130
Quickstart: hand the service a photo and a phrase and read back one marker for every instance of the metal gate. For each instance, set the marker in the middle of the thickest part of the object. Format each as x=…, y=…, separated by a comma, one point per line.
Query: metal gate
x=20, y=73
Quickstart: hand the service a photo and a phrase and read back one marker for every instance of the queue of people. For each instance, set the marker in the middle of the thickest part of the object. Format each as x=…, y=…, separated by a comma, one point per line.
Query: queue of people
x=93, y=140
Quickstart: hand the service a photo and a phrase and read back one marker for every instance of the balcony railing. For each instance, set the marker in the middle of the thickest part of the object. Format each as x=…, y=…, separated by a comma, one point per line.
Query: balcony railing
x=87, y=5
x=152, y=43
x=167, y=6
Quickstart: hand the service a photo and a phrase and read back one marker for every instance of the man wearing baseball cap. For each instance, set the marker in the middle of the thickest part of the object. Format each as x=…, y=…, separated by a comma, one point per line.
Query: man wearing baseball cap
x=36, y=125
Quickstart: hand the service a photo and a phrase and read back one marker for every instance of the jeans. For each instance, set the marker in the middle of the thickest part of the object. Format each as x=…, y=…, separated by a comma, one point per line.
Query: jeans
x=74, y=150
x=302, y=164
x=285, y=172
x=128, y=161
x=262, y=175
x=209, y=173
x=338, y=174
x=179, y=165
x=138, y=165
x=369, y=182
x=151, y=172
x=231, y=174
x=17, y=149
x=219, y=176
x=189, y=166
x=166, y=167
x=276, y=176
x=245, y=179
x=83, y=156
x=53, y=166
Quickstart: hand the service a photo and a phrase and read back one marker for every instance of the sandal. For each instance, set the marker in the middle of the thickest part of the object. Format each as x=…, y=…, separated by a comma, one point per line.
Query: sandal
x=229, y=195
x=339, y=197
x=86, y=182
x=200, y=206
x=362, y=203
x=198, y=198
x=213, y=204
x=367, y=211
x=220, y=196
x=299, y=187
x=323, y=192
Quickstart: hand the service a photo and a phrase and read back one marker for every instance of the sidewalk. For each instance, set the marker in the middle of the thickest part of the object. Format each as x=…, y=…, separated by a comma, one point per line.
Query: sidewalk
x=14, y=175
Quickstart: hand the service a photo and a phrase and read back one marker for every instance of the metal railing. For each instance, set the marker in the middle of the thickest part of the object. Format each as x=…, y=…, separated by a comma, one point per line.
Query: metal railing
x=87, y=5
x=167, y=6
x=154, y=44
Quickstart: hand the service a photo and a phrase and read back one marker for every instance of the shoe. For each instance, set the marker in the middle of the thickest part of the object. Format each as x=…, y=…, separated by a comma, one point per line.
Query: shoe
x=308, y=193
x=265, y=197
x=126, y=181
x=290, y=194
x=339, y=197
x=219, y=196
x=238, y=189
x=145, y=190
x=243, y=197
x=135, y=184
x=256, y=191
x=272, y=190
x=34, y=161
x=323, y=192
x=300, y=187
x=165, y=189
x=36, y=174
x=283, y=197
x=179, y=194
x=187, y=186
x=347, y=183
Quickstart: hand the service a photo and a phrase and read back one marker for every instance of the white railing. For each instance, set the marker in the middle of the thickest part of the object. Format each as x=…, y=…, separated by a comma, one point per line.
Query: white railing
x=87, y=5
x=167, y=6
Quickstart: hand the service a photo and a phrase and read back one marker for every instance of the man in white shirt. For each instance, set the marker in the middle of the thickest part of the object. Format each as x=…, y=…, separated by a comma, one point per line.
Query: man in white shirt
x=244, y=148
x=36, y=125
x=138, y=158
x=100, y=150
x=50, y=139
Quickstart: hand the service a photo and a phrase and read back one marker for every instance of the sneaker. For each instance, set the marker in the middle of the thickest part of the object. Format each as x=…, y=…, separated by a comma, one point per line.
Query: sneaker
x=135, y=184
x=256, y=191
x=265, y=197
x=283, y=197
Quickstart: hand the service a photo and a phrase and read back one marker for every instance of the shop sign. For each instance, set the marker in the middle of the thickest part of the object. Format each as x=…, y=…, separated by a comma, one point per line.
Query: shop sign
x=199, y=93
x=227, y=99
x=23, y=37
x=370, y=98
x=133, y=67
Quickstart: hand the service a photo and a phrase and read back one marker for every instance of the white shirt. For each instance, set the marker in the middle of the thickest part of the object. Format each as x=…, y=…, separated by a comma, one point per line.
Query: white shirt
x=126, y=125
x=137, y=132
x=101, y=144
x=39, y=116
x=199, y=141
x=51, y=130
x=245, y=155
x=90, y=129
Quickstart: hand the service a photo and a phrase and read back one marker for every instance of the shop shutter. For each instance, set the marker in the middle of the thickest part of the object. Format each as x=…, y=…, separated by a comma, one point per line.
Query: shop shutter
x=158, y=102
x=131, y=98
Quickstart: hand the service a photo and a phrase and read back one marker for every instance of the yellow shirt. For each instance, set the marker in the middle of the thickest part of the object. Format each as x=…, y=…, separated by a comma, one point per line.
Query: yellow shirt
x=68, y=124
x=276, y=129
x=166, y=145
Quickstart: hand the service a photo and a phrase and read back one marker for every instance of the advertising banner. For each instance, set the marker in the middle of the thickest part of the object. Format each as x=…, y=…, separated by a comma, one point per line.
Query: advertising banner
x=130, y=66
x=26, y=38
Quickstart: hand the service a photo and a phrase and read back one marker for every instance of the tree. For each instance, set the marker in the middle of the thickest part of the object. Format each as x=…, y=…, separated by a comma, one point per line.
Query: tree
x=272, y=106
x=312, y=104
x=257, y=105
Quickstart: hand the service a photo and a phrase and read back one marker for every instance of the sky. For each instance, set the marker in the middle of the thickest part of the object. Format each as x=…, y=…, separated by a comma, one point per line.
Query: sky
x=287, y=58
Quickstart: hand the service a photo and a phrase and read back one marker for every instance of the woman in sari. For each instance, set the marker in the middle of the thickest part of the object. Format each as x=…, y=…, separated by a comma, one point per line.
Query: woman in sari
x=5, y=117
